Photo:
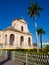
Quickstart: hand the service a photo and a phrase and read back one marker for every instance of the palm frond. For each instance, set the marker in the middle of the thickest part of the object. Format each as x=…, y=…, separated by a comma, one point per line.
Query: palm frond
x=29, y=8
x=38, y=14
x=34, y=9
x=30, y=13
x=36, y=3
x=40, y=8
x=44, y=32
x=40, y=31
x=32, y=3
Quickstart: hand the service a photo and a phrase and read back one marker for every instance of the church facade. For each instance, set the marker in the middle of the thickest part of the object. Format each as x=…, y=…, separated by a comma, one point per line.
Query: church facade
x=16, y=36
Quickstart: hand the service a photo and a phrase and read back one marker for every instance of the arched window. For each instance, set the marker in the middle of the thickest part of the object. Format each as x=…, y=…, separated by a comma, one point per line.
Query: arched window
x=21, y=40
x=21, y=28
x=11, y=39
x=5, y=39
x=29, y=41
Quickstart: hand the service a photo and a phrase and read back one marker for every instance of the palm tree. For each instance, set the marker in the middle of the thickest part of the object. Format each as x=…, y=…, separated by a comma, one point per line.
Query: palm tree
x=33, y=10
x=40, y=32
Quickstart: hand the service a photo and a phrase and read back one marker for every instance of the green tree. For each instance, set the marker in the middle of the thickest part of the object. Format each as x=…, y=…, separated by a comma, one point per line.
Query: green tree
x=40, y=32
x=47, y=48
x=33, y=10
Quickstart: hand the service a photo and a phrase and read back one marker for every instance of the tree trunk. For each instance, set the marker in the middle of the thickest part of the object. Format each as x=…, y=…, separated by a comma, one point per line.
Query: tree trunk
x=41, y=40
x=36, y=32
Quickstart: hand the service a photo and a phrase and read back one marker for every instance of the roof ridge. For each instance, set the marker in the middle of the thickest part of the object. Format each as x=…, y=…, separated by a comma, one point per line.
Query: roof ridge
x=19, y=20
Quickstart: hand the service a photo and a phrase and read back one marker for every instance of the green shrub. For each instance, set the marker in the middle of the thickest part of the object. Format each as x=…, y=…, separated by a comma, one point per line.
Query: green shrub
x=46, y=48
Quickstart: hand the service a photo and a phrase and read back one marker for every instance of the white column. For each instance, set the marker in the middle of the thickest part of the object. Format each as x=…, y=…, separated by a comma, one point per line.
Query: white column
x=15, y=41
x=18, y=40
x=8, y=39
x=25, y=41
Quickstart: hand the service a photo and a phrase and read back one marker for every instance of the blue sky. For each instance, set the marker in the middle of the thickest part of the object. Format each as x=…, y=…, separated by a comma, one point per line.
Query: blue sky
x=11, y=9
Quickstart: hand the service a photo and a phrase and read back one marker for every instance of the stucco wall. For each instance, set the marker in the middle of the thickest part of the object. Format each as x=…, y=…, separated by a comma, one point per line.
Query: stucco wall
x=17, y=25
x=16, y=43
x=17, y=38
x=1, y=37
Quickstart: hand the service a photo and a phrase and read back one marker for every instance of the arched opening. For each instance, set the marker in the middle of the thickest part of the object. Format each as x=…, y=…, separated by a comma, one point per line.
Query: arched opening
x=21, y=28
x=29, y=41
x=5, y=39
x=21, y=40
x=11, y=39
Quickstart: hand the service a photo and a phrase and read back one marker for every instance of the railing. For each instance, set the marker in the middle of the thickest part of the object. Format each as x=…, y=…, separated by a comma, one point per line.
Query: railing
x=34, y=59
x=31, y=59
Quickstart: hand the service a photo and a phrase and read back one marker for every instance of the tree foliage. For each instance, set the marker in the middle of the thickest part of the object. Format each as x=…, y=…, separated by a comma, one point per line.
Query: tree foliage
x=40, y=31
x=46, y=48
x=34, y=8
